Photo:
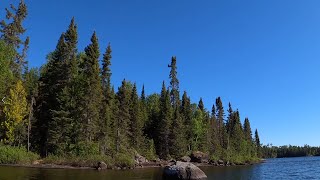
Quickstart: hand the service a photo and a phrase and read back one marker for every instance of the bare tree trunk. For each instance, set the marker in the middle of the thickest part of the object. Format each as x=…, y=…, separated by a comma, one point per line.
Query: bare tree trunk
x=29, y=122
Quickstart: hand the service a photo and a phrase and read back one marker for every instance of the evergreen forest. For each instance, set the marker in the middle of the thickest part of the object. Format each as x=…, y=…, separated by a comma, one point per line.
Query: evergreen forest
x=68, y=107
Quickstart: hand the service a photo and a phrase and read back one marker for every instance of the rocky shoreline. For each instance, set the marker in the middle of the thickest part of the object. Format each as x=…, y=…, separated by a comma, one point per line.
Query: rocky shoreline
x=197, y=158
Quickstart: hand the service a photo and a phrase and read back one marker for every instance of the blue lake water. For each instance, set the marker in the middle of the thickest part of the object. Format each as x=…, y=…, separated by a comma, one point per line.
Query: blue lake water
x=284, y=168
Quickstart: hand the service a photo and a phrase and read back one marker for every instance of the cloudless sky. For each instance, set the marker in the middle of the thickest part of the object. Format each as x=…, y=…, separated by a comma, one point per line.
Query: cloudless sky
x=262, y=56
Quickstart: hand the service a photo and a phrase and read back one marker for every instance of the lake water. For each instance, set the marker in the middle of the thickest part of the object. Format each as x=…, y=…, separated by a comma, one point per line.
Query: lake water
x=285, y=168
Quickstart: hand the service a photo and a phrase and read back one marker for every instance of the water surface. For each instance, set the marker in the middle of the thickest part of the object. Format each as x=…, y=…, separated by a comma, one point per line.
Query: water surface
x=284, y=168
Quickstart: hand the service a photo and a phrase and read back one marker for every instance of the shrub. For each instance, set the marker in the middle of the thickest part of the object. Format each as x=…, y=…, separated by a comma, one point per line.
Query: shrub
x=16, y=155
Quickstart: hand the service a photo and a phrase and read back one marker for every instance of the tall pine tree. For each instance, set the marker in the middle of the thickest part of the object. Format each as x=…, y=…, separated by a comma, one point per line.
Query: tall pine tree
x=93, y=89
x=164, y=124
x=174, y=83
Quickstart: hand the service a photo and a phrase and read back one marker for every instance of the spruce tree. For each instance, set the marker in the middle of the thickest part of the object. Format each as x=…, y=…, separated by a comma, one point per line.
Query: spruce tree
x=213, y=133
x=236, y=133
x=257, y=143
x=174, y=83
x=177, y=141
x=46, y=131
x=123, y=118
x=143, y=107
x=93, y=90
x=106, y=111
x=200, y=105
x=247, y=130
x=164, y=124
x=222, y=133
x=248, y=137
x=187, y=117
x=136, y=123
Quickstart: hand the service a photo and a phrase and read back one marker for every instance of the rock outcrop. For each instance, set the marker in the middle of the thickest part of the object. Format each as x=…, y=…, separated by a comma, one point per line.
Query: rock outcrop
x=183, y=170
x=140, y=159
x=199, y=157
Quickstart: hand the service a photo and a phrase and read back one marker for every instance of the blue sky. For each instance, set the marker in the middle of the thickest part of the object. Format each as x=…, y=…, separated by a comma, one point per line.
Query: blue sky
x=263, y=56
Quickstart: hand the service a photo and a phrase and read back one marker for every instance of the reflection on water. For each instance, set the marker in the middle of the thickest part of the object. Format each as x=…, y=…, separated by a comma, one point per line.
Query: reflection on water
x=285, y=168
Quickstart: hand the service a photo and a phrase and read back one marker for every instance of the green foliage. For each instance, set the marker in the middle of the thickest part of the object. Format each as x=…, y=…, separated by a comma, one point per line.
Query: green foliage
x=12, y=31
x=124, y=160
x=136, y=121
x=16, y=155
x=7, y=54
x=177, y=142
x=93, y=89
x=84, y=148
x=164, y=125
x=257, y=143
x=149, y=150
x=15, y=110
x=174, y=83
x=123, y=117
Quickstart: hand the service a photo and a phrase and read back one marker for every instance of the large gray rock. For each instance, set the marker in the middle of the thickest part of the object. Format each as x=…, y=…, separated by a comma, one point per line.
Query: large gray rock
x=199, y=157
x=183, y=170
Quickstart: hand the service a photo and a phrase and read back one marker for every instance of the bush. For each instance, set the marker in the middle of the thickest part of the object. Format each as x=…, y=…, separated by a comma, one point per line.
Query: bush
x=16, y=155
x=124, y=160
x=85, y=149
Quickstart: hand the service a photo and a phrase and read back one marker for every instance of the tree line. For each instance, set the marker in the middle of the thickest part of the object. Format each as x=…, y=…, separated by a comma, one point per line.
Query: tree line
x=69, y=106
x=270, y=151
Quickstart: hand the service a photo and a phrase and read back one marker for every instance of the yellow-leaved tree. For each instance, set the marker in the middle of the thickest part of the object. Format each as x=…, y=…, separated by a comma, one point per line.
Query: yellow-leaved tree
x=15, y=110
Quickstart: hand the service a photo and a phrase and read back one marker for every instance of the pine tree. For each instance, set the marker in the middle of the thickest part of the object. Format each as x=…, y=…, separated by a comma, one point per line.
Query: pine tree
x=230, y=119
x=257, y=143
x=123, y=118
x=236, y=132
x=248, y=137
x=174, y=83
x=200, y=105
x=12, y=31
x=177, y=141
x=93, y=90
x=164, y=124
x=222, y=133
x=143, y=106
x=187, y=117
x=247, y=130
x=106, y=111
x=46, y=132
x=213, y=133
x=136, y=123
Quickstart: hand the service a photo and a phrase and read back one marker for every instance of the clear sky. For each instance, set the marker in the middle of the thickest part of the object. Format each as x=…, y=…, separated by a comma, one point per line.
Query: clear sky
x=263, y=56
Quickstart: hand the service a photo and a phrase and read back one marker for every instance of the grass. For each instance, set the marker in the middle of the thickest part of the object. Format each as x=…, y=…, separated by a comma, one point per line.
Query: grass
x=16, y=155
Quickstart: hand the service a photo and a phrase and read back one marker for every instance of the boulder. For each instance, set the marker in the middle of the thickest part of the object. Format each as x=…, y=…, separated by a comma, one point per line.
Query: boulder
x=183, y=170
x=199, y=157
x=185, y=159
x=102, y=165
x=220, y=162
x=140, y=159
